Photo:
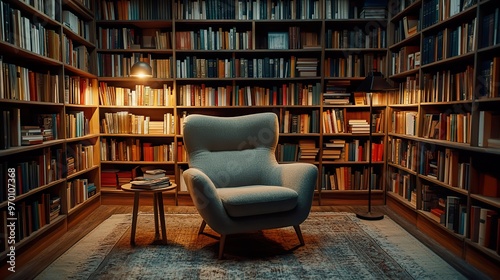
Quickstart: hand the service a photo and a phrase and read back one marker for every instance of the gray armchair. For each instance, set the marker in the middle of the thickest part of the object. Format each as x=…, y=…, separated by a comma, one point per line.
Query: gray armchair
x=235, y=181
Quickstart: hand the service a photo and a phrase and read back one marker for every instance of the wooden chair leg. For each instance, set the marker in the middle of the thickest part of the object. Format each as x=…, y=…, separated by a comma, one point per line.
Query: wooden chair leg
x=221, y=245
x=299, y=234
x=202, y=227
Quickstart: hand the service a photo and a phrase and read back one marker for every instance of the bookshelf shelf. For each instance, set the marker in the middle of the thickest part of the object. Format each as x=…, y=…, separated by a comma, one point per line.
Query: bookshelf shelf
x=404, y=74
x=83, y=204
x=83, y=11
x=77, y=38
x=78, y=173
x=439, y=183
x=139, y=162
x=22, y=149
x=464, y=58
x=493, y=201
x=415, y=6
x=401, y=200
x=27, y=56
x=407, y=170
x=435, y=220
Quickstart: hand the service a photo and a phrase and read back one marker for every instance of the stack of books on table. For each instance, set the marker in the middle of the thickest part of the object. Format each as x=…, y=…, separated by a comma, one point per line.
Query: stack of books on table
x=151, y=179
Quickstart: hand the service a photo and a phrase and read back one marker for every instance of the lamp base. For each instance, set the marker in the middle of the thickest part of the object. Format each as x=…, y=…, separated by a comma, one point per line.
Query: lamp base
x=371, y=216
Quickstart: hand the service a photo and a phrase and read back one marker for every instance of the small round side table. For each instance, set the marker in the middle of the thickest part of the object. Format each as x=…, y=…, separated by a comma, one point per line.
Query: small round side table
x=157, y=209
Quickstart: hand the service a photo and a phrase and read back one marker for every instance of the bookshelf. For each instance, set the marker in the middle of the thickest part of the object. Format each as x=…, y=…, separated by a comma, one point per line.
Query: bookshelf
x=230, y=58
x=440, y=174
x=48, y=98
x=136, y=116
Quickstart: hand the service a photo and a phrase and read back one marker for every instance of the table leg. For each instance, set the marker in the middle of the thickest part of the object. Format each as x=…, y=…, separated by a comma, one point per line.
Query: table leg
x=162, y=217
x=134, y=218
x=155, y=210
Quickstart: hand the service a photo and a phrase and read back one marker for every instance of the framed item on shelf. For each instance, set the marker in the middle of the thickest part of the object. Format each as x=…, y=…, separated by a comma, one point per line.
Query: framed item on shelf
x=277, y=40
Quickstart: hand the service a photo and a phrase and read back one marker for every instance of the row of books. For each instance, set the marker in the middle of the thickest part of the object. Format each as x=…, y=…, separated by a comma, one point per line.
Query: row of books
x=357, y=38
x=214, y=39
x=79, y=157
x=349, y=178
x=407, y=58
x=435, y=11
x=449, y=127
x=448, y=210
x=489, y=132
x=489, y=78
x=79, y=90
x=267, y=67
x=30, y=217
x=141, y=95
x=133, y=149
x=354, y=65
x=75, y=55
x=251, y=9
x=409, y=91
x=339, y=120
x=78, y=191
x=299, y=123
x=445, y=86
x=404, y=185
x=77, y=25
x=77, y=124
x=134, y=10
x=403, y=152
x=445, y=165
x=221, y=9
x=21, y=83
x=124, y=122
x=15, y=134
x=404, y=122
x=287, y=94
x=355, y=150
x=406, y=28
x=130, y=38
x=38, y=171
x=490, y=32
x=118, y=65
x=28, y=33
x=485, y=227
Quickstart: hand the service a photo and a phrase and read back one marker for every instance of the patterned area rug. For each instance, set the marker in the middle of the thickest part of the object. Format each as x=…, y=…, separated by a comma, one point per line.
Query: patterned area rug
x=338, y=246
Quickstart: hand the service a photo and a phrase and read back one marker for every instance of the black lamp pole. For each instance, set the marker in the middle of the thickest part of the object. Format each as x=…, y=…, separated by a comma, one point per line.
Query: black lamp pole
x=374, y=82
x=370, y=215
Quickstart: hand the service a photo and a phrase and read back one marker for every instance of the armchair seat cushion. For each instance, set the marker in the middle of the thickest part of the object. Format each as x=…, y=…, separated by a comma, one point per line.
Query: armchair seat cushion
x=257, y=199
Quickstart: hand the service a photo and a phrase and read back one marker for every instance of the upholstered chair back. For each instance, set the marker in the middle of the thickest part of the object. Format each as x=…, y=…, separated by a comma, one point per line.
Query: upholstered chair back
x=233, y=151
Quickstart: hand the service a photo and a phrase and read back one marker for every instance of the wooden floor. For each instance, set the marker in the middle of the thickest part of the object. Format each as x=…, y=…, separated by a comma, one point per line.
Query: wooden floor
x=45, y=257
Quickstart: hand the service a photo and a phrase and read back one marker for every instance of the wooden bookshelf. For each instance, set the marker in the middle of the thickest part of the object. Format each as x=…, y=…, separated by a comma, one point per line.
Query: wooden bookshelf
x=452, y=85
x=48, y=84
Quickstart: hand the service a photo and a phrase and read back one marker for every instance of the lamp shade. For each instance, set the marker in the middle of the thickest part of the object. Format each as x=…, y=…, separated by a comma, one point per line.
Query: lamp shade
x=141, y=69
x=374, y=82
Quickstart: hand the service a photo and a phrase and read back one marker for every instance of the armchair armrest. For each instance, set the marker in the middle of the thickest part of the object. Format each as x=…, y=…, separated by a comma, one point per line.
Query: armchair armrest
x=301, y=177
x=204, y=195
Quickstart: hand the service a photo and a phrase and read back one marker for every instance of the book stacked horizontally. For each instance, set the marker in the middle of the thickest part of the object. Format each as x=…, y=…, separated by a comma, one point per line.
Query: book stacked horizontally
x=333, y=150
x=359, y=126
x=151, y=179
x=31, y=135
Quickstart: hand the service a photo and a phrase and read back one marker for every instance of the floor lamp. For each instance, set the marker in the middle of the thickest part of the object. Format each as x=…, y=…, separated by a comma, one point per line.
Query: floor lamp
x=374, y=82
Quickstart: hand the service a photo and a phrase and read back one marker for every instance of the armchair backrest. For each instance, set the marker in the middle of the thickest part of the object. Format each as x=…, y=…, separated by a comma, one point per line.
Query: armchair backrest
x=232, y=151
